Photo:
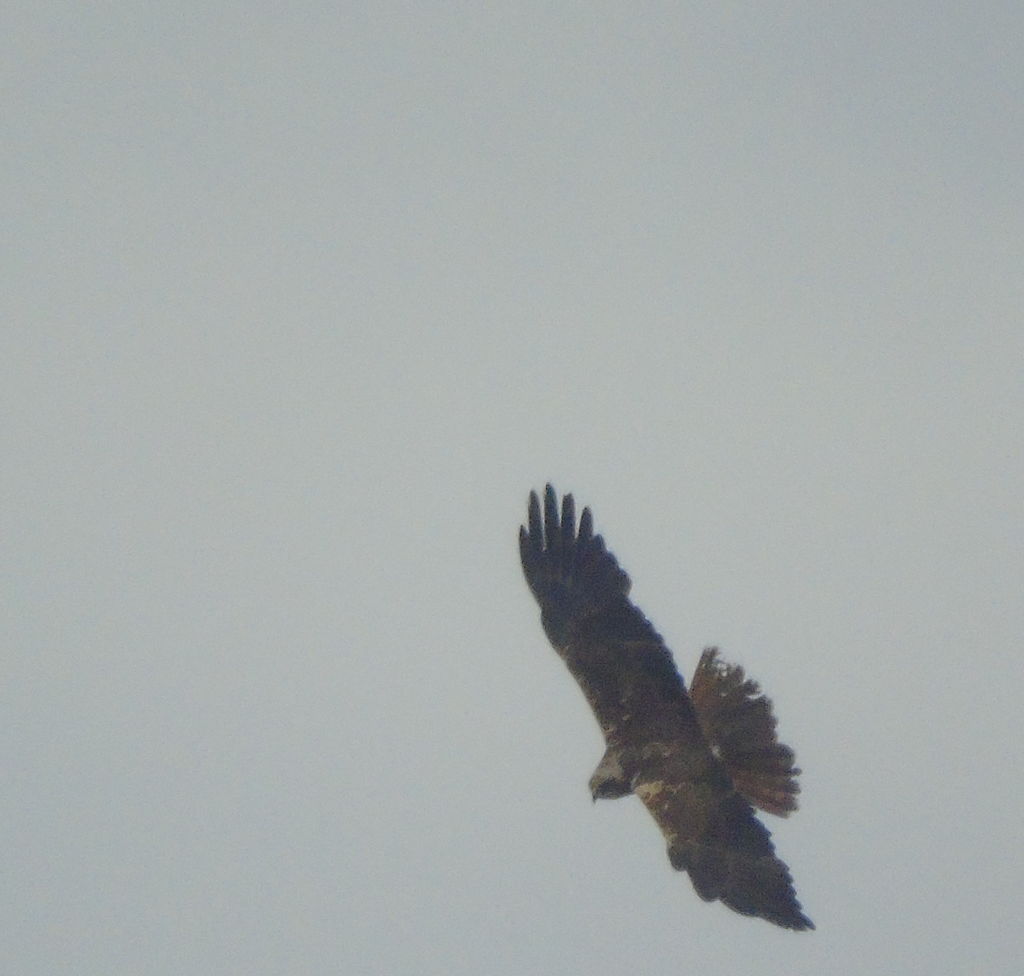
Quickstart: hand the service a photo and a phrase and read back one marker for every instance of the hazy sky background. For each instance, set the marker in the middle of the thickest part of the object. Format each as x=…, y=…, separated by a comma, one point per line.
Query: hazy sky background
x=301, y=300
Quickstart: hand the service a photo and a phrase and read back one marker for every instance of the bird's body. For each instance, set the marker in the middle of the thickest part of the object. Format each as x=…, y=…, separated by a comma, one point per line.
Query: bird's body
x=697, y=760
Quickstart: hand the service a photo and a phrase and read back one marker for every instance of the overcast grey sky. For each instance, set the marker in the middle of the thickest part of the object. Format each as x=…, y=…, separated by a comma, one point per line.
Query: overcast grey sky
x=301, y=300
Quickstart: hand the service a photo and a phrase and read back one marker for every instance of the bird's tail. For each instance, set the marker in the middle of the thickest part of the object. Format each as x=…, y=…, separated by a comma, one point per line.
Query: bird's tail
x=738, y=723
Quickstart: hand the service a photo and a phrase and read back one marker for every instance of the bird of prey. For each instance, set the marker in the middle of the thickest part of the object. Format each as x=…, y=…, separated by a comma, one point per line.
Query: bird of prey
x=699, y=761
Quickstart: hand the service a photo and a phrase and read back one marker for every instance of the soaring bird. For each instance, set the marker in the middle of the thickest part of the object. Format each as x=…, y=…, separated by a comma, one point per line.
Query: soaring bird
x=700, y=760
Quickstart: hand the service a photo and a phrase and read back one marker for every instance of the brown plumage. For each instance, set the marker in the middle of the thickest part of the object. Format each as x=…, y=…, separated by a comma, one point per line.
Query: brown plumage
x=698, y=761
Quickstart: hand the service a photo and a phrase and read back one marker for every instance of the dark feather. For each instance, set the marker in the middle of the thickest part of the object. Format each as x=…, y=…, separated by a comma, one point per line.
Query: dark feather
x=738, y=723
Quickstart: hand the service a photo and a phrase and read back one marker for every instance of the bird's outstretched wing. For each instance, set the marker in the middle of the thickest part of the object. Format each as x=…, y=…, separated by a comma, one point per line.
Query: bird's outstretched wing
x=619, y=660
x=715, y=837
x=659, y=746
